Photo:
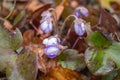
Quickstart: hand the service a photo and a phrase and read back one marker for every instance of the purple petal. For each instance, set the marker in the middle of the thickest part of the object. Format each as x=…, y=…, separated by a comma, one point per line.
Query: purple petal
x=52, y=56
x=81, y=11
x=46, y=27
x=52, y=50
x=79, y=27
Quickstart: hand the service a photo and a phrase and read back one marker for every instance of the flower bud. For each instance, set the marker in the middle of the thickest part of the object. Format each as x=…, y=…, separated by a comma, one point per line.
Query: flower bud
x=51, y=41
x=81, y=11
x=52, y=51
x=46, y=27
x=79, y=27
x=46, y=22
x=46, y=14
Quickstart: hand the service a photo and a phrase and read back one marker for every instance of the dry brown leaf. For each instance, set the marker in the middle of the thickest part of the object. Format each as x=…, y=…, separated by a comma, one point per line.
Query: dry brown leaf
x=45, y=64
x=62, y=74
x=33, y=5
x=27, y=37
x=107, y=22
x=7, y=24
x=36, y=40
x=59, y=9
x=38, y=12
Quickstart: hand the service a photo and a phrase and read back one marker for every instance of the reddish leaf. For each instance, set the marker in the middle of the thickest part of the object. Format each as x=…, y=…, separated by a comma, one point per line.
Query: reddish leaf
x=38, y=12
x=80, y=45
x=107, y=22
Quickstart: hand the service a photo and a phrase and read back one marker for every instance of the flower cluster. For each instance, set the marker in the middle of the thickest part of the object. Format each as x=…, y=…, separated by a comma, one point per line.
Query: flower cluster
x=52, y=43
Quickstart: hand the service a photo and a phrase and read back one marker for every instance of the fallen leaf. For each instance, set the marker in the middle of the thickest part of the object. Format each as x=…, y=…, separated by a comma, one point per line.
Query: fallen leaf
x=59, y=9
x=107, y=22
x=28, y=36
x=106, y=3
x=45, y=64
x=36, y=40
x=34, y=3
x=37, y=13
x=8, y=25
x=62, y=74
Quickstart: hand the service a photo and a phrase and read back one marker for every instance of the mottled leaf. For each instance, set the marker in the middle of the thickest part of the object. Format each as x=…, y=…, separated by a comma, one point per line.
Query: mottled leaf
x=10, y=40
x=27, y=65
x=102, y=61
x=71, y=59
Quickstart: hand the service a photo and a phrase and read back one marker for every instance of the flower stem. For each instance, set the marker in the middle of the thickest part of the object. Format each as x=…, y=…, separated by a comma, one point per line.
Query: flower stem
x=65, y=22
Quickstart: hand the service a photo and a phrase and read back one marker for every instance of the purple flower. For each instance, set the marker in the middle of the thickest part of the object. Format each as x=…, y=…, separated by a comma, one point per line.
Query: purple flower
x=79, y=27
x=51, y=41
x=46, y=26
x=52, y=51
x=46, y=22
x=81, y=11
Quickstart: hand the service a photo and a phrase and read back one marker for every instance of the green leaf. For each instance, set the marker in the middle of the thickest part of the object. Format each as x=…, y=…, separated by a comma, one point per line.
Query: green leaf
x=113, y=53
x=98, y=59
x=19, y=17
x=98, y=40
x=9, y=40
x=71, y=59
x=103, y=61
